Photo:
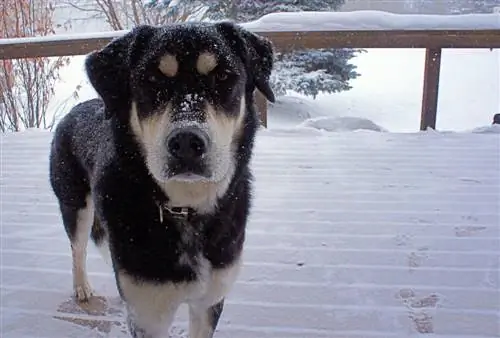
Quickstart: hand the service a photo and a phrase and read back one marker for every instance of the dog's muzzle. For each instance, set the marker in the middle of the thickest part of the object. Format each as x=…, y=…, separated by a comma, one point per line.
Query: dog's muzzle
x=187, y=147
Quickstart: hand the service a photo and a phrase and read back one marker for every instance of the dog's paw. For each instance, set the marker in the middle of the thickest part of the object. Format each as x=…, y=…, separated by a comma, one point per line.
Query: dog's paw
x=83, y=292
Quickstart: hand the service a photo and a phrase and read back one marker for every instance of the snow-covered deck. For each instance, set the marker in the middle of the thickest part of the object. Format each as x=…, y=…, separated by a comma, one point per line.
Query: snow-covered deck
x=352, y=235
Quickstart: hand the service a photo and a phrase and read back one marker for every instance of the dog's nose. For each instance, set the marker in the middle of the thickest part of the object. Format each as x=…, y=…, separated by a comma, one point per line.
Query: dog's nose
x=187, y=144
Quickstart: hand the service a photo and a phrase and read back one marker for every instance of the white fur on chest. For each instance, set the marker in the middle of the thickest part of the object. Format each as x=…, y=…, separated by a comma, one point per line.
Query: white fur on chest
x=157, y=303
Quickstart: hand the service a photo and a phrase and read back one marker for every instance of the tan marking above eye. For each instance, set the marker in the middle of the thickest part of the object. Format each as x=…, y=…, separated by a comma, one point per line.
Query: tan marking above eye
x=206, y=63
x=169, y=65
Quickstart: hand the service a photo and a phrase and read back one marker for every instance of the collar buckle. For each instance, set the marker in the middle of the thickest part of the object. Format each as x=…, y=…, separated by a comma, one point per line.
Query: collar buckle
x=180, y=213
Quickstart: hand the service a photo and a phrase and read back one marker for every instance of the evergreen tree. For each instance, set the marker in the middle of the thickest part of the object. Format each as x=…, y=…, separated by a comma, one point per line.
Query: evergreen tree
x=308, y=71
x=472, y=6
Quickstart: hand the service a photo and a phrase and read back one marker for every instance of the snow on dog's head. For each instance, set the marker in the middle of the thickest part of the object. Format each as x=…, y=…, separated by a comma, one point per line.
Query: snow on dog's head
x=186, y=93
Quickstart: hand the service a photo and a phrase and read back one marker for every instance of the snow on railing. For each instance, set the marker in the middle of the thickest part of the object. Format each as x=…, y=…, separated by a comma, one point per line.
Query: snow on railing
x=315, y=30
x=299, y=23
x=370, y=20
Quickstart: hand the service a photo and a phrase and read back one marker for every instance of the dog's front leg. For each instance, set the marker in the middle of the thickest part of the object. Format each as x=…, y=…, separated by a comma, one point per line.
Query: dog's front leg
x=151, y=307
x=202, y=321
x=135, y=329
x=150, y=321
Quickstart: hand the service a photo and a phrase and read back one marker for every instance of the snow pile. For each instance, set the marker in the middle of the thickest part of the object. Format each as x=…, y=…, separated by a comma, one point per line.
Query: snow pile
x=344, y=123
x=295, y=112
x=291, y=110
x=493, y=129
x=370, y=20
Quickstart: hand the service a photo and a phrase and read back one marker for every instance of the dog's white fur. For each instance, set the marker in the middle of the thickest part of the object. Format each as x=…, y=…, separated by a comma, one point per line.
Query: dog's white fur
x=85, y=219
x=199, y=194
x=157, y=304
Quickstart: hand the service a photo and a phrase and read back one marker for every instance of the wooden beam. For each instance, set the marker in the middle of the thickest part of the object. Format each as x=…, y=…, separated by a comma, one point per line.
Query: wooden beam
x=49, y=47
x=69, y=45
x=261, y=103
x=386, y=39
x=431, y=88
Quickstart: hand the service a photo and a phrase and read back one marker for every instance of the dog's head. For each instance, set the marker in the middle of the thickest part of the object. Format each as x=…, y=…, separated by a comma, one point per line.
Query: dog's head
x=186, y=92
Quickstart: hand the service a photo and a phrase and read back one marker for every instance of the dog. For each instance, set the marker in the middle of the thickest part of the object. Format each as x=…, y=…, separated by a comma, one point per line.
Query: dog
x=496, y=119
x=156, y=170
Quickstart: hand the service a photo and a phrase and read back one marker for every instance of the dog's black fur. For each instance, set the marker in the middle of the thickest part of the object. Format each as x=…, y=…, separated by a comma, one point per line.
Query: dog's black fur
x=99, y=162
x=496, y=119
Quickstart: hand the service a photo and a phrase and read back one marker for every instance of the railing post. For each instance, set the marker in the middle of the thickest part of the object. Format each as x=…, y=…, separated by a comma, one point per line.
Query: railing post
x=261, y=103
x=431, y=88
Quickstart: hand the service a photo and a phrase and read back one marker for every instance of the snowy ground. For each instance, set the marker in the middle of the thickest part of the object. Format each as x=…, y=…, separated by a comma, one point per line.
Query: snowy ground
x=359, y=234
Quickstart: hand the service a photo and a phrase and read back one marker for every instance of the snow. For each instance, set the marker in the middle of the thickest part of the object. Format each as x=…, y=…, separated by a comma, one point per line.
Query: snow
x=65, y=37
x=289, y=111
x=389, y=90
x=370, y=20
x=493, y=129
x=323, y=21
x=345, y=123
x=352, y=234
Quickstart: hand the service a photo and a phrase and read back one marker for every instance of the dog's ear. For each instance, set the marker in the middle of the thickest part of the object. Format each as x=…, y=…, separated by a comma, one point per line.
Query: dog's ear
x=108, y=69
x=257, y=54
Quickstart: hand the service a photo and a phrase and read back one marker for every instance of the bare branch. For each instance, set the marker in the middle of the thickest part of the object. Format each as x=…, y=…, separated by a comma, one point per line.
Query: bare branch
x=80, y=8
x=27, y=85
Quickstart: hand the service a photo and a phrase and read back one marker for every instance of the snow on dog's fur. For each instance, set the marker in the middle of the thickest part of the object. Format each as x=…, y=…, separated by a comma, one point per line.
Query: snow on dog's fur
x=157, y=168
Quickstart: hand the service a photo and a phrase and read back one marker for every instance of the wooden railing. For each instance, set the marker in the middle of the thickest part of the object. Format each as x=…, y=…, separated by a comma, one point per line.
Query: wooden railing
x=432, y=40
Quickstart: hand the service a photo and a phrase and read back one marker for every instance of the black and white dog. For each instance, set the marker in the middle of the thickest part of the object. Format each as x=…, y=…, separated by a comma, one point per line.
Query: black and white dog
x=157, y=169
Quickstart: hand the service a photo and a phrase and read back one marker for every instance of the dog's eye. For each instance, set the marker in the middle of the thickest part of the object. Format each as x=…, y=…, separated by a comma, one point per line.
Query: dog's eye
x=153, y=79
x=222, y=76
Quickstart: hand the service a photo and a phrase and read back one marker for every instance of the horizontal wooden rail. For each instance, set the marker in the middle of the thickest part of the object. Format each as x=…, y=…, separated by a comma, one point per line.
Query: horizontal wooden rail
x=78, y=44
x=432, y=40
x=386, y=39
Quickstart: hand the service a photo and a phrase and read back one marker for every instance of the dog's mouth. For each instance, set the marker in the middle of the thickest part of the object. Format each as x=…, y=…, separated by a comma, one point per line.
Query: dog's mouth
x=188, y=177
x=192, y=172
